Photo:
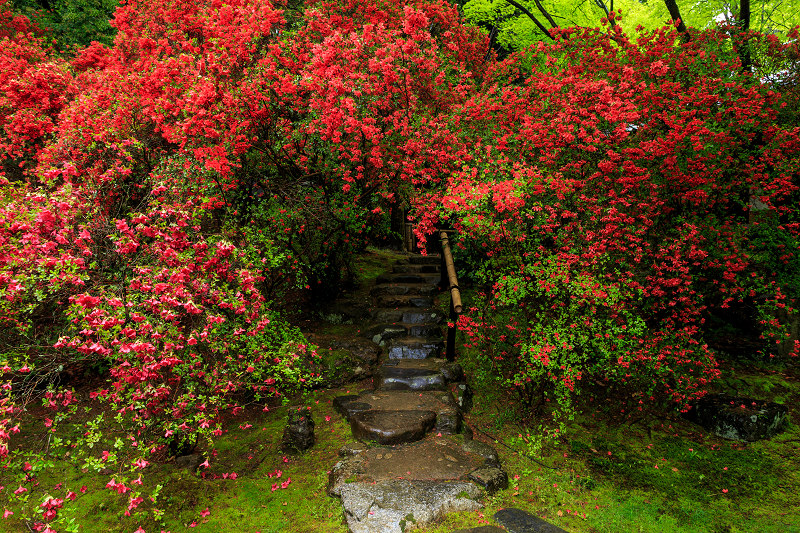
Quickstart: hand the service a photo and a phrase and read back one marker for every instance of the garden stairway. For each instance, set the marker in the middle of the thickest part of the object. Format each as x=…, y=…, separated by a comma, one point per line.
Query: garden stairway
x=413, y=464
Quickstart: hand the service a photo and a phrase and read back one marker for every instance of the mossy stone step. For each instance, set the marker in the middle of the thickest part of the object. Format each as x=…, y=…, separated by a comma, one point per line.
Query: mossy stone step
x=431, y=279
x=392, y=427
x=426, y=374
x=414, y=348
x=407, y=268
x=408, y=315
x=398, y=289
x=448, y=416
x=418, y=259
x=402, y=300
x=381, y=334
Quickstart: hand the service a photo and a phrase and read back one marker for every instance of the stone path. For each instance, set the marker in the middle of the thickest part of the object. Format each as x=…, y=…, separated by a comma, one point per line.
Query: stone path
x=413, y=465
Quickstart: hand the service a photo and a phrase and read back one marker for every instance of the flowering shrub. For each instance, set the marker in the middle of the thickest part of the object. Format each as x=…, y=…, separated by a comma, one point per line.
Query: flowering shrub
x=162, y=196
x=613, y=194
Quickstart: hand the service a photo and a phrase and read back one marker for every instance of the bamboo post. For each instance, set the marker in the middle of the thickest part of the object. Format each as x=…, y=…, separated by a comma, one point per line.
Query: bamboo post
x=449, y=270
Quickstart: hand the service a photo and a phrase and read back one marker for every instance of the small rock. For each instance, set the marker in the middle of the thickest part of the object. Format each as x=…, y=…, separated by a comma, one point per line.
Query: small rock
x=488, y=453
x=452, y=372
x=462, y=394
x=189, y=462
x=299, y=433
x=519, y=521
x=489, y=477
x=349, y=450
x=738, y=418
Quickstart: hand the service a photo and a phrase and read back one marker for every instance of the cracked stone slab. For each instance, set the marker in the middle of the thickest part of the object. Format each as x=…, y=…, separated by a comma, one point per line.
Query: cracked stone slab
x=394, y=506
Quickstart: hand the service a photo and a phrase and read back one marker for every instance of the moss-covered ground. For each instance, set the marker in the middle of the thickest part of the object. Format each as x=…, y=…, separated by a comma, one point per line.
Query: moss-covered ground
x=665, y=475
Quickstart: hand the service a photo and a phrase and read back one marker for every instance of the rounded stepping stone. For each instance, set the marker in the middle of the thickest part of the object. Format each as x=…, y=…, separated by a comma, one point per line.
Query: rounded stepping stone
x=392, y=427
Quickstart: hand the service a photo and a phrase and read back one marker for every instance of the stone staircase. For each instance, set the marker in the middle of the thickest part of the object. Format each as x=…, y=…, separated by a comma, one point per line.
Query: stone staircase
x=415, y=461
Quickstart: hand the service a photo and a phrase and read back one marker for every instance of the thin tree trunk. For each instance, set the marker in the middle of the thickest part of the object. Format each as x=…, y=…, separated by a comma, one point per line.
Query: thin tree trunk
x=675, y=13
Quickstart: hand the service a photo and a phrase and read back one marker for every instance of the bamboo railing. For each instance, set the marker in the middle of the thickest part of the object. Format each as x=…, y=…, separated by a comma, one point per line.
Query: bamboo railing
x=450, y=282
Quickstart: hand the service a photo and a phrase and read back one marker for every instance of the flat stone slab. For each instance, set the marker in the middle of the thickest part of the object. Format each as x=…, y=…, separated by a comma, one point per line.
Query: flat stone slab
x=396, y=505
x=392, y=427
x=448, y=417
x=738, y=418
x=425, y=374
x=414, y=348
x=435, y=458
x=519, y=521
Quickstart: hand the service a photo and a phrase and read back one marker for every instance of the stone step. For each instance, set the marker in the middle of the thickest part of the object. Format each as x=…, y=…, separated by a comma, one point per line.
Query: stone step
x=407, y=315
x=414, y=348
x=417, y=259
x=448, y=416
x=392, y=427
x=431, y=279
x=402, y=300
x=394, y=506
x=417, y=375
x=398, y=289
x=381, y=334
x=407, y=268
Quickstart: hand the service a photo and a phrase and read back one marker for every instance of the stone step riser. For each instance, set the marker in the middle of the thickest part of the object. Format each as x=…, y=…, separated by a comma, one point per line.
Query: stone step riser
x=393, y=301
x=431, y=279
x=408, y=316
x=415, y=269
x=419, y=289
x=416, y=351
x=424, y=259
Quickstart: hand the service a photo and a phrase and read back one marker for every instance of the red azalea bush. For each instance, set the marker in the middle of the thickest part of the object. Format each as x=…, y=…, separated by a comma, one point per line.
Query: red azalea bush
x=217, y=158
x=620, y=194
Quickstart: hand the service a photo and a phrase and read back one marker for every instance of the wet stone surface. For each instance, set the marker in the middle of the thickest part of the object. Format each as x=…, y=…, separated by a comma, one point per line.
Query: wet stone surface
x=404, y=378
x=393, y=506
x=519, y=521
x=392, y=427
x=299, y=433
x=491, y=478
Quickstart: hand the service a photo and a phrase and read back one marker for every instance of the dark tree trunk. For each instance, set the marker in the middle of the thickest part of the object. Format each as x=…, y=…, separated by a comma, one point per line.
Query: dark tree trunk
x=675, y=13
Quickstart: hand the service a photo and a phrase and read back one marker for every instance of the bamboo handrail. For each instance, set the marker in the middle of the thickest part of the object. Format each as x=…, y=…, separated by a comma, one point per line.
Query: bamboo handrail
x=455, y=293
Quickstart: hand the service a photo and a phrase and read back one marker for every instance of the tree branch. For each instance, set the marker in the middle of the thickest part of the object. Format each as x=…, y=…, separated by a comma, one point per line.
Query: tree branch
x=530, y=16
